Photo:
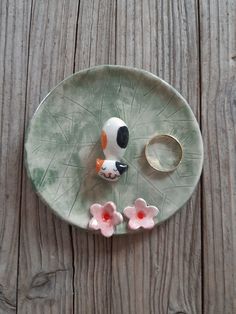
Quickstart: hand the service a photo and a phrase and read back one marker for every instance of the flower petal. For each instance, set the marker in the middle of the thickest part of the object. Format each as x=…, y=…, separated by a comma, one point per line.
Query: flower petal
x=151, y=211
x=130, y=211
x=134, y=224
x=96, y=210
x=93, y=224
x=110, y=207
x=107, y=231
x=117, y=218
x=140, y=204
x=147, y=223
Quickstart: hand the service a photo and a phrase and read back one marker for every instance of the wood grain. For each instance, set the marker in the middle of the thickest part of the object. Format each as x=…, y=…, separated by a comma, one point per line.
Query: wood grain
x=45, y=283
x=218, y=47
x=13, y=74
x=187, y=264
x=160, y=272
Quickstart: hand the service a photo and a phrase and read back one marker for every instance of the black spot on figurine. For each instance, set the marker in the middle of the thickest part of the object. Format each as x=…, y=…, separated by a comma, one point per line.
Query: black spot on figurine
x=122, y=136
x=121, y=167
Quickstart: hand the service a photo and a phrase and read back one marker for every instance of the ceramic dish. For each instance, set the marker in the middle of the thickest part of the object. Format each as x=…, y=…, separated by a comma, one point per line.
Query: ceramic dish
x=63, y=142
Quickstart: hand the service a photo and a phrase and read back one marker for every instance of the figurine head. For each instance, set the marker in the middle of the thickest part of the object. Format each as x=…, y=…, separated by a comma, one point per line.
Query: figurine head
x=110, y=170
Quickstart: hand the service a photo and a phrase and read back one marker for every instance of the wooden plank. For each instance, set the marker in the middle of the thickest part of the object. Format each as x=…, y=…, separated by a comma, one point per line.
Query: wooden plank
x=92, y=254
x=218, y=56
x=45, y=283
x=160, y=272
x=13, y=65
x=95, y=38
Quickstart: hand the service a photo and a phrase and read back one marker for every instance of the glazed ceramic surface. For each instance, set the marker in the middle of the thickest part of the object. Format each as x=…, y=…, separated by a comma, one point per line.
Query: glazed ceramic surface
x=63, y=143
x=114, y=141
x=110, y=170
x=114, y=138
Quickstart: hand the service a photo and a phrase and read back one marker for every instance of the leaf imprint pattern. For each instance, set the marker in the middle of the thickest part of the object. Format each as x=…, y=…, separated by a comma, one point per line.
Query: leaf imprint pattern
x=62, y=143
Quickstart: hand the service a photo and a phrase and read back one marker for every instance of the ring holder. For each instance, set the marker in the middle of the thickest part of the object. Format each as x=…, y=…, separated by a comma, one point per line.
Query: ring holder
x=164, y=152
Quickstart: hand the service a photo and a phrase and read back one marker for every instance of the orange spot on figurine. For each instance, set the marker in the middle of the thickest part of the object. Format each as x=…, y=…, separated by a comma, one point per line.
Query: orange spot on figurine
x=103, y=140
x=99, y=163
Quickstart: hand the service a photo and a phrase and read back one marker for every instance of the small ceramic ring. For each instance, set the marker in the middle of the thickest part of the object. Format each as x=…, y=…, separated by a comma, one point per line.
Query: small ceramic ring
x=164, y=152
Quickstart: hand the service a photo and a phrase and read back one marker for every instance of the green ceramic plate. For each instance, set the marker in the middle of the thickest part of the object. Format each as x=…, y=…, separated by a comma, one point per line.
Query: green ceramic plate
x=62, y=143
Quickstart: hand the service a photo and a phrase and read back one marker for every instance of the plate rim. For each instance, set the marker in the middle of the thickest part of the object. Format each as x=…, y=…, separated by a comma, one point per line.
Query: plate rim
x=100, y=67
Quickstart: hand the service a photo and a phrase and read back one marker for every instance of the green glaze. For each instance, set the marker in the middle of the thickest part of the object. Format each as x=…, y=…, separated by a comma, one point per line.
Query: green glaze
x=63, y=142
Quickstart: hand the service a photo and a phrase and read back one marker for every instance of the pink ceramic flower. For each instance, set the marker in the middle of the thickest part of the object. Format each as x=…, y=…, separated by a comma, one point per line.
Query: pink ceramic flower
x=140, y=215
x=105, y=218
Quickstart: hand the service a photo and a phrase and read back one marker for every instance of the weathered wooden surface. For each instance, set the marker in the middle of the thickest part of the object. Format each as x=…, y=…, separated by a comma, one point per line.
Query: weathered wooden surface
x=13, y=74
x=45, y=282
x=187, y=264
x=218, y=85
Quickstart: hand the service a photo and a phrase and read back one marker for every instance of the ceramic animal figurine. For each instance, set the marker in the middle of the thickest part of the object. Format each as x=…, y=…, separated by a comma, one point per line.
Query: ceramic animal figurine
x=114, y=141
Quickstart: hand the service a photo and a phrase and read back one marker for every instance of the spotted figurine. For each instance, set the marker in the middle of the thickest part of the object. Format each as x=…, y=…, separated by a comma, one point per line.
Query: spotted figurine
x=114, y=141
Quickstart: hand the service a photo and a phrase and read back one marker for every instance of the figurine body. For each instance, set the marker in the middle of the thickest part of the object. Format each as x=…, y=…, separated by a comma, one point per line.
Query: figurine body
x=114, y=140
